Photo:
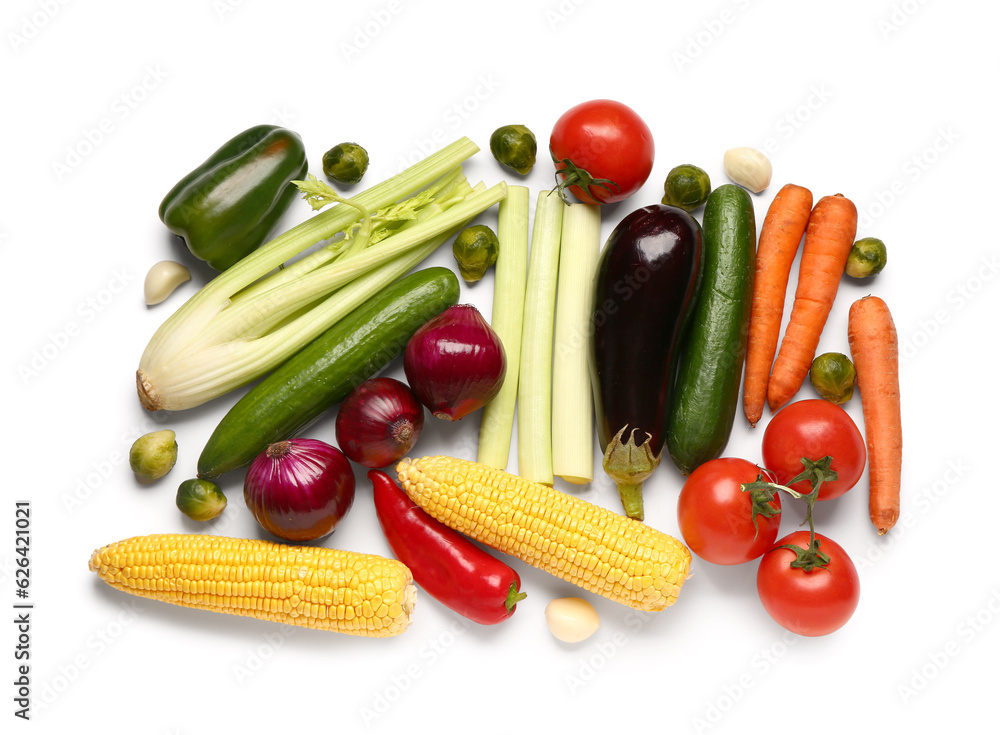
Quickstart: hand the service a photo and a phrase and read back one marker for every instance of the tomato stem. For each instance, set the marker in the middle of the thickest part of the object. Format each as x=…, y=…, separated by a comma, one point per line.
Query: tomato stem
x=573, y=175
x=816, y=472
x=761, y=500
x=809, y=558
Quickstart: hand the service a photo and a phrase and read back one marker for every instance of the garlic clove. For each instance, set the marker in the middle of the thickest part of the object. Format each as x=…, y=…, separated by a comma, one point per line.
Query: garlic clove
x=748, y=167
x=571, y=619
x=162, y=279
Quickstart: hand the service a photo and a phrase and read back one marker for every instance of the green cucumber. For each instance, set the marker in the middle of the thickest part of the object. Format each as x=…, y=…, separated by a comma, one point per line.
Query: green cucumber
x=324, y=371
x=714, y=347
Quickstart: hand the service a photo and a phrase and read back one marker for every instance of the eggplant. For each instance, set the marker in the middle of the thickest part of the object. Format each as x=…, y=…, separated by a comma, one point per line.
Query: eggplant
x=645, y=287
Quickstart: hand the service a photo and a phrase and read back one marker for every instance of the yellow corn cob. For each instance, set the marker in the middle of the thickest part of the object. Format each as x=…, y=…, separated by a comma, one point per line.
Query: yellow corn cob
x=592, y=547
x=313, y=587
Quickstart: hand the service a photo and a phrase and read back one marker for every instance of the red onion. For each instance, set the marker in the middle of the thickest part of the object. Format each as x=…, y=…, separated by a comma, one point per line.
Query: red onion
x=379, y=422
x=455, y=363
x=299, y=489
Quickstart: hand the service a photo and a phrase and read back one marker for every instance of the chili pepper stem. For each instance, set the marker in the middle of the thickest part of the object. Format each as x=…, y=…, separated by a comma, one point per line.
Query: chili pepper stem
x=514, y=596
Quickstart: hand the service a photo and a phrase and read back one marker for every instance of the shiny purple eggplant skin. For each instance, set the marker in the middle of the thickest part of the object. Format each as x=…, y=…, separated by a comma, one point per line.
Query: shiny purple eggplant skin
x=644, y=291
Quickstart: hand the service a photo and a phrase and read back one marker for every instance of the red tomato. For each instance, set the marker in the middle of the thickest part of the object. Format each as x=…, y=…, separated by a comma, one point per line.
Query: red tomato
x=716, y=516
x=814, y=428
x=814, y=602
x=601, y=139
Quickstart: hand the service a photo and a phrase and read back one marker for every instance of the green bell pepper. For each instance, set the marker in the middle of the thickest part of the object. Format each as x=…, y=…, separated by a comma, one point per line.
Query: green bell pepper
x=226, y=208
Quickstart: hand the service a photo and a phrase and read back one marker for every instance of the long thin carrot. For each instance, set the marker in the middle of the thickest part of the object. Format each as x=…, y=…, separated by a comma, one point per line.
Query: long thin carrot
x=783, y=227
x=875, y=350
x=830, y=233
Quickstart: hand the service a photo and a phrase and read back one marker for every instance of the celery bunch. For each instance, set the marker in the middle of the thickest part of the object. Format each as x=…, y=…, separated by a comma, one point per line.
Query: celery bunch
x=251, y=317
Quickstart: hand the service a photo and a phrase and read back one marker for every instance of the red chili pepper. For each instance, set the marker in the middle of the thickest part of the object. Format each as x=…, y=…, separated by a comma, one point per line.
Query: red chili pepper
x=451, y=569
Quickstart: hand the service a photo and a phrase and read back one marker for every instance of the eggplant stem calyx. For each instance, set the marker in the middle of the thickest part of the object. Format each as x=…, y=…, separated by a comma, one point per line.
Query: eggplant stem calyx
x=631, y=496
x=629, y=465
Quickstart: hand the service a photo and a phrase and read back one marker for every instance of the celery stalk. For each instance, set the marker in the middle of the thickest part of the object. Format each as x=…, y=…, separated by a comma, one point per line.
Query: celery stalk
x=451, y=186
x=534, y=396
x=217, y=367
x=510, y=277
x=275, y=304
x=230, y=360
x=170, y=366
x=572, y=396
x=213, y=297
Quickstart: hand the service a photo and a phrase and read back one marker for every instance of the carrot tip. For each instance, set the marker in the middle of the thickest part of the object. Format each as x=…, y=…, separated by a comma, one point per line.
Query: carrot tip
x=884, y=521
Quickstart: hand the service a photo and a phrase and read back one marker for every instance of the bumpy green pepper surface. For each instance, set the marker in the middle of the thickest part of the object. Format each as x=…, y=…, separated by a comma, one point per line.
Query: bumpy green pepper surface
x=226, y=208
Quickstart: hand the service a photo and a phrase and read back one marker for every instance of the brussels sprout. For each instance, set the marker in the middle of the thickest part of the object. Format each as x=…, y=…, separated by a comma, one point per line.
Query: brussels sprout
x=200, y=500
x=832, y=375
x=687, y=187
x=866, y=259
x=514, y=146
x=153, y=455
x=476, y=249
x=345, y=163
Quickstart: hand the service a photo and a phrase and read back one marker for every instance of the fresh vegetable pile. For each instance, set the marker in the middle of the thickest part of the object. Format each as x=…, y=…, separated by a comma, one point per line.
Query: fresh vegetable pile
x=647, y=340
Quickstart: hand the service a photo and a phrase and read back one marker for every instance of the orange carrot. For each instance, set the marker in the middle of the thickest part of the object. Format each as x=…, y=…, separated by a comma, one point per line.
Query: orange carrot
x=874, y=348
x=780, y=234
x=830, y=233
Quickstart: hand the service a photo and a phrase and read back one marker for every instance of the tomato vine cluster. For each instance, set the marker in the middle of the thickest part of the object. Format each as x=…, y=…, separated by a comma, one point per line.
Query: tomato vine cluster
x=729, y=512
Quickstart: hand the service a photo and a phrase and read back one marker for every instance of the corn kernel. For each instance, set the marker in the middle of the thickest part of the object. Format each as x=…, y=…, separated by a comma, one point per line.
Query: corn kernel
x=590, y=546
x=305, y=586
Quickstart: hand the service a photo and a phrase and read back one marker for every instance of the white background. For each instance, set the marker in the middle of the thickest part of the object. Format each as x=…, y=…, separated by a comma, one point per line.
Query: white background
x=107, y=104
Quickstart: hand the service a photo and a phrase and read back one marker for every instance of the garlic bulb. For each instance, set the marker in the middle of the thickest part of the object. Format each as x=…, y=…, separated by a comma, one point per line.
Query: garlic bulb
x=162, y=279
x=748, y=167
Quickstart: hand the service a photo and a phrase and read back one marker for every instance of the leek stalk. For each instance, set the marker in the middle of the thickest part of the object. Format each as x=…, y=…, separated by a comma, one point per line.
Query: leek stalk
x=511, y=276
x=572, y=396
x=534, y=395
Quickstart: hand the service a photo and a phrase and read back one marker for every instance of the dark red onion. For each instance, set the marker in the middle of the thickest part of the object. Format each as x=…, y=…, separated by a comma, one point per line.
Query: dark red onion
x=455, y=363
x=379, y=422
x=299, y=489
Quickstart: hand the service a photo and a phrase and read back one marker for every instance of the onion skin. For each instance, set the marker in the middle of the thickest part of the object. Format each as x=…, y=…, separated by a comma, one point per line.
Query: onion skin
x=379, y=422
x=455, y=363
x=300, y=489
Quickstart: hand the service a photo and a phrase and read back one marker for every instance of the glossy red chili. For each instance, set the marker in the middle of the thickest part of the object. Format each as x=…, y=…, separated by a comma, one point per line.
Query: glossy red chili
x=446, y=564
